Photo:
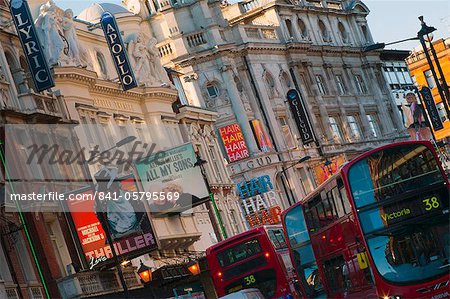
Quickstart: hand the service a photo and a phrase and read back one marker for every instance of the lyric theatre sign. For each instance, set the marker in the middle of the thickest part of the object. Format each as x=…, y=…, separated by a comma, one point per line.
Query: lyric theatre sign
x=259, y=202
x=31, y=45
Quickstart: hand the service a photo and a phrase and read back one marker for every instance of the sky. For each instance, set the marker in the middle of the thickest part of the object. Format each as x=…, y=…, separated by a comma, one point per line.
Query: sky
x=389, y=20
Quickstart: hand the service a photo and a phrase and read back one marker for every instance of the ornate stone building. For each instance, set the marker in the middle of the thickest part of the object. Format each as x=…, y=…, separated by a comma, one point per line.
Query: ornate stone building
x=87, y=92
x=241, y=59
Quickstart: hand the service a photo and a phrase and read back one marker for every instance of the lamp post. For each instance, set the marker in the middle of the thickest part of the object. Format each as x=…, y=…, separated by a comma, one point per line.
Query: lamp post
x=329, y=165
x=194, y=267
x=424, y=31
x=145, y=272
x=219, y=229
x=443, y=92
x=284, y=178
x=104, y=219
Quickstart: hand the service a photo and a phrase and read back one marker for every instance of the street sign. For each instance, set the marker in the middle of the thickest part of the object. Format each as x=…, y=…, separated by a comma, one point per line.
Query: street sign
x=433, y=113
x=118, y=51
x=300, y=116
x=31, y=45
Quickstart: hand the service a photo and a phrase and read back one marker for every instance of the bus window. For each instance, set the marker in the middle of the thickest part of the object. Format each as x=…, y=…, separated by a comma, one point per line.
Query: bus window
x=320, y=214
x=345, y=202
x=277, y=238
x=338, y=202
x=239, y=252
x=327, y=206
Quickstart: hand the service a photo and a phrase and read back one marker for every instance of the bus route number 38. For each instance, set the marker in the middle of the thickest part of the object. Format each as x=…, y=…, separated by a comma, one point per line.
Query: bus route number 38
x=249, y=280
x=431, y=203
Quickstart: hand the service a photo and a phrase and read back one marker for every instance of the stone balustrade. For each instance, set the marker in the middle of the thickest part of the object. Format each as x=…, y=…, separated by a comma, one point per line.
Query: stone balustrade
x=95, y=283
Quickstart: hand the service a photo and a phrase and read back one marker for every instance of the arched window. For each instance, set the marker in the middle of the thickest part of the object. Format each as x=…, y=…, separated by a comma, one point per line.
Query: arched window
x=212, y=89
x=286, y=80
x=271, y=87
x=343, y=32
x=289, y=29
x=269, y=80
x=24, y=66
x=14, y=68
x=365, y=34
x=302, y=28
x=101, y=63
x=324, y=32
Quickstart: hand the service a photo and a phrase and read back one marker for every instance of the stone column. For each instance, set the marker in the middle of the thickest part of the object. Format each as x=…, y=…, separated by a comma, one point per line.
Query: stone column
x=329, y=71
x=321, y=103
x=382, y=104
x=238, y=109
x=395, y=114
x=267, y=106
x=365, y=122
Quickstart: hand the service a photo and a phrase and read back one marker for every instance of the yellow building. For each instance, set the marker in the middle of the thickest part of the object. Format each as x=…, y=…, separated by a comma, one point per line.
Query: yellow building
x=421, y=74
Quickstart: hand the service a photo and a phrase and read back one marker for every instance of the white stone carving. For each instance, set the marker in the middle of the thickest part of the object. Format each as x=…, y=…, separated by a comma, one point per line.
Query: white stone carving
x=147, y=65
x=48, y=32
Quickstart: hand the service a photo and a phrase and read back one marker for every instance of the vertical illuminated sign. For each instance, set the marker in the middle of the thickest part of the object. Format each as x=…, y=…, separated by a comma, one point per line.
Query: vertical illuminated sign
x=428, y=100
x=118, y=51
x=31, y=46
x=300, y=116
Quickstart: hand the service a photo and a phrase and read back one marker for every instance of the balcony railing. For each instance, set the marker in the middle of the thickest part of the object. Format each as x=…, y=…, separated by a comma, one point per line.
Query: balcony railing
x=258, y=33
x=165, y=50
x=196, y=39
x=252, y=4
x=95, y=283
x=11, y=292
x=45, y=104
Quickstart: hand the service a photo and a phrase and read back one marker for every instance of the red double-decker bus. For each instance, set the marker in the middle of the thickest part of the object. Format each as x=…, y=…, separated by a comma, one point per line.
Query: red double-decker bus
x=257, y=258
x=377, y=228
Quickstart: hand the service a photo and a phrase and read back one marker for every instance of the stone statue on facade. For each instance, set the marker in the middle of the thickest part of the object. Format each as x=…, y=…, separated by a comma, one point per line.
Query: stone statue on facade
x=48, y=32
x=146, y=61
x=70, y=34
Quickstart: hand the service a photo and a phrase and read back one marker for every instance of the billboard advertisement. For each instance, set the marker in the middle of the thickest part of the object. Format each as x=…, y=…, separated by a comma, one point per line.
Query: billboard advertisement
x=234, y=143
x=263, y=141
x=128, y=222
x=171, y=175
x=322, y=172
x=259, y=202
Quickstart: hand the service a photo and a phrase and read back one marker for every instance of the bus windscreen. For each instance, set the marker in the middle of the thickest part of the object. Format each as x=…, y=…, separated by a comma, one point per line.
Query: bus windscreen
x=239, y=252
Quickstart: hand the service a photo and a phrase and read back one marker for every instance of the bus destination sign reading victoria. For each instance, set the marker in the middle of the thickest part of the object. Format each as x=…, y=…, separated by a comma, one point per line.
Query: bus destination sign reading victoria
x=412, y=208
x=31, y=45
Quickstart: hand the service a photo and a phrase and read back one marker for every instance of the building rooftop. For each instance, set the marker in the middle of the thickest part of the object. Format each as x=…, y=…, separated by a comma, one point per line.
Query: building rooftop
x=94, y=12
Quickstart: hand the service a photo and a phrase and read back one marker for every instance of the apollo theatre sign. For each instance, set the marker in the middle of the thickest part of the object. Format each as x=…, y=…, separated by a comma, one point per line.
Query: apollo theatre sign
x=118, y=51
x=34, y=54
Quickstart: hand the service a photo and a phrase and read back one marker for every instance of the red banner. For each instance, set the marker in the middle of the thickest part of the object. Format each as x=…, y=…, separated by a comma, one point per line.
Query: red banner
x=234, y=143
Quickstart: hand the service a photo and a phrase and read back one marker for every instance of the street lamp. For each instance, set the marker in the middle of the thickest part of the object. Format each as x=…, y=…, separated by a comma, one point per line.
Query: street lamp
x=303, y=159
x=424, y=34
x=329, y=165
x=284, y=178
x=145, y=273
x=194, y=267
x=442, y=87
x=380, y=46
x=200, y=163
